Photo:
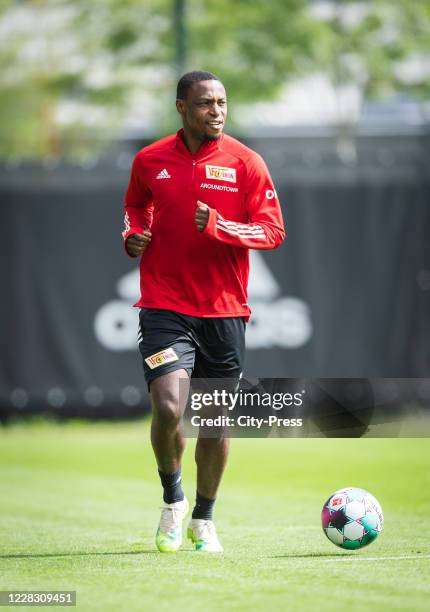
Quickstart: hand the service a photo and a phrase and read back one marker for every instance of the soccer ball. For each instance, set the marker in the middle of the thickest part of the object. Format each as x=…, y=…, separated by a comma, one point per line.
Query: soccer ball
x=352, y=518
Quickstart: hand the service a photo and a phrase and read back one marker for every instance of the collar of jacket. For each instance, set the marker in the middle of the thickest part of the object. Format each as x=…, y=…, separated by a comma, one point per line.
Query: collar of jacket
x=206, y=147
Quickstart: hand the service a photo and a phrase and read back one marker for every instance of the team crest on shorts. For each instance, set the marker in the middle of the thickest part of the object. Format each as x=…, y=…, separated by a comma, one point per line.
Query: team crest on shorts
x=158, y=359
x=220, y=173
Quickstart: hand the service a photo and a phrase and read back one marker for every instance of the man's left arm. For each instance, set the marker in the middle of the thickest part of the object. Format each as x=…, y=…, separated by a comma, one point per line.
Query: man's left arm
x=265, y=227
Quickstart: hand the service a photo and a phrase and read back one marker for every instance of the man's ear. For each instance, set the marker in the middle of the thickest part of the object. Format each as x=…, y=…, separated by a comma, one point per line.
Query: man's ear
x=180, y=106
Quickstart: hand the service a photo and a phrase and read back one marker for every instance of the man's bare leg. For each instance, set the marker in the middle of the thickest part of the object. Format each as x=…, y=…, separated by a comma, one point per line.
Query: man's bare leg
x=168, y=443
x=167, y=436
x=211, y=458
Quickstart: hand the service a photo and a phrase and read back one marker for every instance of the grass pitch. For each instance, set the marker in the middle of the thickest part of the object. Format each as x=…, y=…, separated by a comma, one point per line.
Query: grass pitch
x=80, y=505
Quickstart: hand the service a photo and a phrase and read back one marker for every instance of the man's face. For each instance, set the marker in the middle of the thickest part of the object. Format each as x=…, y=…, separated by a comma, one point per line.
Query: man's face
x=204, y=111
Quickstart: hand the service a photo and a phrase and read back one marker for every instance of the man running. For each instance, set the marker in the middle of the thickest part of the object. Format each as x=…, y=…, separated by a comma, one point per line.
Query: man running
x=197, y=201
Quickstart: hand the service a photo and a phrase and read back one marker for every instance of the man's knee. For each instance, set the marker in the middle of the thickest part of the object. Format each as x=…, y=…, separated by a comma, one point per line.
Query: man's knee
x=166, y=409
x=165, y=397
x=165, y=405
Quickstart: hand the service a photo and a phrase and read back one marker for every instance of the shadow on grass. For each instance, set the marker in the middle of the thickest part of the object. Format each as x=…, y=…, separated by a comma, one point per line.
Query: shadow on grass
x=84, y=554
x=310, y=556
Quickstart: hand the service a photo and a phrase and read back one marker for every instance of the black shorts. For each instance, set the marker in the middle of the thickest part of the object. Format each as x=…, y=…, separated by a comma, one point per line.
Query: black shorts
x=204, y=347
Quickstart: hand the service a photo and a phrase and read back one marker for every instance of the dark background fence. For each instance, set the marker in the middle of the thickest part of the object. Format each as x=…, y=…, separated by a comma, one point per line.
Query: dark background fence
x=347, y=295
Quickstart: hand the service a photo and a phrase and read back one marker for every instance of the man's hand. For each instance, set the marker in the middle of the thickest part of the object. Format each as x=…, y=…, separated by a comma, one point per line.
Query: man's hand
x=202, y=215
x=137, y=243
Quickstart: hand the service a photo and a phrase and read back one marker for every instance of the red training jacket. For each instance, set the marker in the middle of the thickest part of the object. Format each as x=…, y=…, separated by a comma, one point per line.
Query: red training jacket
x=203, y=274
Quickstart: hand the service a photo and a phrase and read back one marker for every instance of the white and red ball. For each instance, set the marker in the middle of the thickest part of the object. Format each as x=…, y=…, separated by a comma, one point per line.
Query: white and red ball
x=352, y=518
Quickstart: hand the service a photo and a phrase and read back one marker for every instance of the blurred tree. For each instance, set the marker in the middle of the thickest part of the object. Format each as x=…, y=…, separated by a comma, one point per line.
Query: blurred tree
x=379, y=46
x=71, y=70
x=256, y=45
x=68, y=69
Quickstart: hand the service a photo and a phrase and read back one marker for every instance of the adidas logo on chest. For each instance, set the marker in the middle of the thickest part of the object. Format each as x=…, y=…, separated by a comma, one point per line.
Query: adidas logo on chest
x=163, y=174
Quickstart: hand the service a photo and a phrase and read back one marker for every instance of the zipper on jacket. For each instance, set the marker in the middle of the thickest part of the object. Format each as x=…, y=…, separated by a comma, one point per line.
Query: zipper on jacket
x=194, y=169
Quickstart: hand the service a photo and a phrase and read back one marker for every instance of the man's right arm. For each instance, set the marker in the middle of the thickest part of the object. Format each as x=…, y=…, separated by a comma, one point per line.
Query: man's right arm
x=138, y=211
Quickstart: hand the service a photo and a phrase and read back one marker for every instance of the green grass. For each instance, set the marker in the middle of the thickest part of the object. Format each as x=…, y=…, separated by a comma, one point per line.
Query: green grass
x=80, y=504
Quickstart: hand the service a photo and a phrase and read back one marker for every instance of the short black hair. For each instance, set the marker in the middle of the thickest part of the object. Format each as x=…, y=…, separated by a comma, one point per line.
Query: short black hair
x=186, y=81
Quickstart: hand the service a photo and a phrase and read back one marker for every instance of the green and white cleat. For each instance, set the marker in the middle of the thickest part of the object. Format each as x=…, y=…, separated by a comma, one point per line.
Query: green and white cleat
x=169, y=532
x=202, y=534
